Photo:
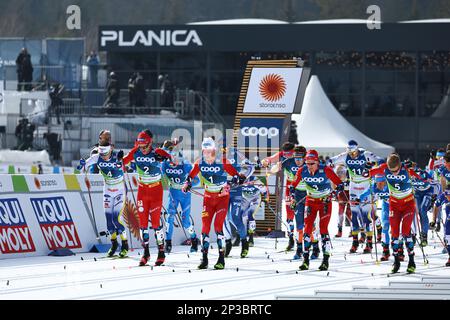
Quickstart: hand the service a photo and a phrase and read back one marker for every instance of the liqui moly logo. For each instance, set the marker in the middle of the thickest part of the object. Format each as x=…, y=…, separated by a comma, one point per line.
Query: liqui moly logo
x=56, y=223
x=15, y=236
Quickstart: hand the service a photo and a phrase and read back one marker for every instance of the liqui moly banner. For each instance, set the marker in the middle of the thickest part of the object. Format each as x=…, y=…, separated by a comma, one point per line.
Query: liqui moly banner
x=272, y=90
x=56, y=223
x=15, y=234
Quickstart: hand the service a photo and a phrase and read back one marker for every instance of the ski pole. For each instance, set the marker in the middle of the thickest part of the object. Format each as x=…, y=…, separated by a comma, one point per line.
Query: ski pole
x=88, y=185
x=372, y=215
x=425, y=260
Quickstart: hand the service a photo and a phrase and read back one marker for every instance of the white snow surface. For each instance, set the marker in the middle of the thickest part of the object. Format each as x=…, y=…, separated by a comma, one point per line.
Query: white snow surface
x=267, y=273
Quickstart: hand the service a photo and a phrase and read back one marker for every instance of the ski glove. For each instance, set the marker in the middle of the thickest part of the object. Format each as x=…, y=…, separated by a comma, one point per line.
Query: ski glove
x=340, y=187
x=81, y=165
x=432, y=225
x=120, y=155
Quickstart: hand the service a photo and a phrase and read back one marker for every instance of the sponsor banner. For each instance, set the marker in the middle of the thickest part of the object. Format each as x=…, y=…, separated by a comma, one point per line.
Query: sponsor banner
x=260, y=133
x=272, y=90
x=6, y=184
x=94, y=181
x=22, y=169
x=55, y=220
x=34, y=224
x=48, y=182
x=15, y=234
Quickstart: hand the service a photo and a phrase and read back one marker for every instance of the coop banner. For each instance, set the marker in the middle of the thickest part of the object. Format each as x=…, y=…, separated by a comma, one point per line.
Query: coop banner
x=272, y=90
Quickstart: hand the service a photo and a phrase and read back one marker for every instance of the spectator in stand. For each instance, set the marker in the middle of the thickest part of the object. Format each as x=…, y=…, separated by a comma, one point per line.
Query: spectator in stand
x=56, y=101
x=132, y=90
x=112, y=94
x=26, y=135
x=139, y=89
x=167, y=92
x=24, y=70
x=93, y=63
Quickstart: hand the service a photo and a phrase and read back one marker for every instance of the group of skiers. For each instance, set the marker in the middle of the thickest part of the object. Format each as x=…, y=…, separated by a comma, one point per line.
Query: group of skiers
x=356, y=178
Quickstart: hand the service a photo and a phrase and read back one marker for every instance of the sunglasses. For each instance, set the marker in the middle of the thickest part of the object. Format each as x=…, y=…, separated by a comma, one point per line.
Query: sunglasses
x=310, y=163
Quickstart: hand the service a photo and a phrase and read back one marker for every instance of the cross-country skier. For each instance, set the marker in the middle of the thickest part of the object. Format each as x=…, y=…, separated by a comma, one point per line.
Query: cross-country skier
x=253, y=191
x=443, y=200
x=343, y=199
x=109, y=163
x=425, y=193
x=150, y=191
x=243, y=166
x=317, y=179
x=176, y=172
x=379, y=191
x=298, y=204
x=213, y=171
x=284, y=160
x=402, y=206
x=358, y=161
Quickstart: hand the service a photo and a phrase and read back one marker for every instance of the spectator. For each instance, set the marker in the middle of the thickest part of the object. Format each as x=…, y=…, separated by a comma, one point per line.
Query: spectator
x=167, y=92
x=54, y=146
x=56, y=101
x=18, y=132
x=24, y=70
x=93, y=62
x=132, y=90
x=139, y=89
x=26, y=135
x=112, y=94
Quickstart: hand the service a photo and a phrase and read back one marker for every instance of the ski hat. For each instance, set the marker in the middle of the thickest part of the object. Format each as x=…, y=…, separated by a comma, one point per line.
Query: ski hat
x=440, y=154
x=379, y=178
x=208, y=144
x=352, y=145
x=144, y=137
x=312, y=155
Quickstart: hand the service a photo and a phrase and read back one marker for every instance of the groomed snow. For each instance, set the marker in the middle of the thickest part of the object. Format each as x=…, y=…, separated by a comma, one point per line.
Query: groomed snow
x=265, y=274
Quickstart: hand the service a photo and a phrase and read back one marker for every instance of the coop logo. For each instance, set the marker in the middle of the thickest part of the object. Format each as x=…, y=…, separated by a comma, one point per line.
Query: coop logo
x=294, y=168
x=174, y=171
x=56, y=222
x=15, y=236
x=357, y=162
x=262, y=132
x=145, y=159
x=210, y=169
x=311, y=179
x=149, y=38
x=394, y=177
x=107, y=165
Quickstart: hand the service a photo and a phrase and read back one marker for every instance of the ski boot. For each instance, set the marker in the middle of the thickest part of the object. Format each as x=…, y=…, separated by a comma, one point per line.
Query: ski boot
x=305, y=264
x=251, y=242
x=204, y=262
x=112, y=250
x=379, y=231
x=161, y=256
x=124, y=249
x=363, y=238
x=386, y=253
x=298, y=253
x=350, y=234
x=411, y=265
x=448, y=263
x=355, y=244
x=438, y=226
x=237, y=241
x=194, y=244
x=315, y=251
x=228, y=247
x=324, y=265
x=220, y=265
x=401, y=255
x=291, y=242
x=145, y=257
x=396, y=265
x=369, y=246
x=423, y=240
x=168, y=246
x=339, y=233
x=245, y=247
